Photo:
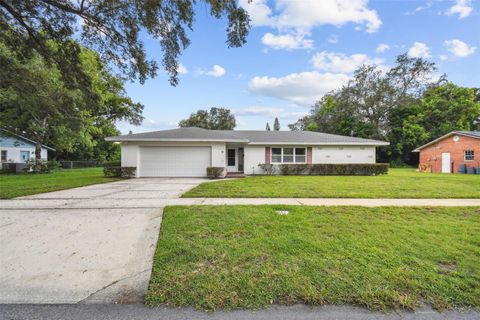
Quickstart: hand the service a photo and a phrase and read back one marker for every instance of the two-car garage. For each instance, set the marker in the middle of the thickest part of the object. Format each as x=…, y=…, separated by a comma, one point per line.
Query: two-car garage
x=174, y=161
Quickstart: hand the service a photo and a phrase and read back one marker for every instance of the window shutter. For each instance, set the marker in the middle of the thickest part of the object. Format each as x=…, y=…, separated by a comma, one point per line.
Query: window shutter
x=267, y=155
x=309, y=155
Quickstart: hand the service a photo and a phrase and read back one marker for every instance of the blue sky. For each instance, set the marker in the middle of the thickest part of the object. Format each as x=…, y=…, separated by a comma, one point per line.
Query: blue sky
x=298, y=50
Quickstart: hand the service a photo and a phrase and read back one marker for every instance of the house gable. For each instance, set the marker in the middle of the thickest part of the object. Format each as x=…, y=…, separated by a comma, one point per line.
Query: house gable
x=15, y=142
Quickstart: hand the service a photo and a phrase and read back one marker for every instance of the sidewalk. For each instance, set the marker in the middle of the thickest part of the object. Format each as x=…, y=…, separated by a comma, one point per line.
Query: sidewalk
x=138, y=201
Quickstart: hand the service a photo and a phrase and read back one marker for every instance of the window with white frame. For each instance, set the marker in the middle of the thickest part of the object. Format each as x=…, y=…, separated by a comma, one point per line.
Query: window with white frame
x=289, y=155
x=4, y=155
x=469, y=155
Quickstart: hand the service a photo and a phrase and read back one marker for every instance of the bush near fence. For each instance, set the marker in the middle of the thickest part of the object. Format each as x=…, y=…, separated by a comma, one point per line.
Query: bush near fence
x=114, y=169
x=354, y=169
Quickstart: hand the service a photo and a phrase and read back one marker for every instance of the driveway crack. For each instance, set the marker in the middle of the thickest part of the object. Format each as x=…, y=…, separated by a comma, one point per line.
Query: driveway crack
x=111, y=284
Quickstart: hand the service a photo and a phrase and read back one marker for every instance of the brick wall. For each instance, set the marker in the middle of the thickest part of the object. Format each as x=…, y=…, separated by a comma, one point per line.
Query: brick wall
x=432, y=154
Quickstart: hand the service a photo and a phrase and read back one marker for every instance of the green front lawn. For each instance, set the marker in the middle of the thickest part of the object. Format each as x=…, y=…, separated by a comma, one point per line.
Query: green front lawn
x=212, y=257
x=16, y=185
x=398, y=183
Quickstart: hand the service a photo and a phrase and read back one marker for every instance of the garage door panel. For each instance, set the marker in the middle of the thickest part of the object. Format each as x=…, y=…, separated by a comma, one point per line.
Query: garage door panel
x=174, y=161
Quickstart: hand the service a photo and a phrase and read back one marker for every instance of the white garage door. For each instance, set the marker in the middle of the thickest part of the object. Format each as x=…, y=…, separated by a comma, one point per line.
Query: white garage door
x=174, y=161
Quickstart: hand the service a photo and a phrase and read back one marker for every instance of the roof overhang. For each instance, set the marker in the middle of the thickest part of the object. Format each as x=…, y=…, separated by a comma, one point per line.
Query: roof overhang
x=28, y=140
x=379, y=143
x=118, y=139
x=372, y=143
x=459, y=133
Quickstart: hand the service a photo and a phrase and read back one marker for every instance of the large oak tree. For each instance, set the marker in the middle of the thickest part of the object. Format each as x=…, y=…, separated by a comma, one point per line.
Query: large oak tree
x=36, y=102
x=112, y=28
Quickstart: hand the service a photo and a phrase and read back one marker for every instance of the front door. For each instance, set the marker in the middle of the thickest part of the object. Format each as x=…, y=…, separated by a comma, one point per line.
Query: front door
x=446, y=162
x=24, y=155
x=240, y=159
x=232, y=160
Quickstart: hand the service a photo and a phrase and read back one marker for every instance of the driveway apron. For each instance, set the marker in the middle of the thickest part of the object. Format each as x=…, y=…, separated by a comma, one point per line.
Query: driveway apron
x=88, y=244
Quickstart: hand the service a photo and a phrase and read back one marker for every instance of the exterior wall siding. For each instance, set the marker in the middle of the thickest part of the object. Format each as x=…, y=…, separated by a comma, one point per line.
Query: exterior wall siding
x=432, y=155
x=255, y=155
x=343, y=154
x=13, y=153
x=13, y=146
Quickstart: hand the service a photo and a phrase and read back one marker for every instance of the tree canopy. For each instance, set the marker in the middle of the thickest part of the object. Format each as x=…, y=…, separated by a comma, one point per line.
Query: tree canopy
x=404, y=105
x=276, y=124
x=112, y=28
x=36, y=102
x=215, y=119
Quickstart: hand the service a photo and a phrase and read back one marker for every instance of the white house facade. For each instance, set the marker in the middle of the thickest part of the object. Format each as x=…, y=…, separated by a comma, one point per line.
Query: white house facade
x=187, y=152
x=18, y=149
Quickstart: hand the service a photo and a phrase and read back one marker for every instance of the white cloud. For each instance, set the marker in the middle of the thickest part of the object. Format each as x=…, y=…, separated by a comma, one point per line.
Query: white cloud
x=428, y=5
x=216, y=71
x=258, y=10
x=443, y=57
x=459, y=48
x=304, y=14
x=419, y=50
x=300, y=88
x=462, y=8
x=181, y=69
x=339, y=62
x=286, y=41
x=333, y=38
x=382, y=47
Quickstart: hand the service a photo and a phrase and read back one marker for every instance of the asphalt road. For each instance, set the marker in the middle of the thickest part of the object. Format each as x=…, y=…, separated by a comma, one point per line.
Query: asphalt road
x=140, y=312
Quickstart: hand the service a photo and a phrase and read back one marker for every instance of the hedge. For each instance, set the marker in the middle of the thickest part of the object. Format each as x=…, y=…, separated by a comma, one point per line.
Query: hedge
x=354, y=169
x=215, y=172
x=114, y=169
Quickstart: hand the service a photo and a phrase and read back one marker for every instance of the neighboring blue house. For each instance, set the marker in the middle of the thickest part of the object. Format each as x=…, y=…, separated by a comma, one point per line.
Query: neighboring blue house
x=18, y=149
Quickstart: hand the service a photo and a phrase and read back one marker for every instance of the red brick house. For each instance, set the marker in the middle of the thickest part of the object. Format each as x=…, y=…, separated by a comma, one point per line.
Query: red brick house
x=448, y=152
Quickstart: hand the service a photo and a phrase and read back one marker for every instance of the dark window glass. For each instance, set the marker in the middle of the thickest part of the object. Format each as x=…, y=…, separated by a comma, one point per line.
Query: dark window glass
x=231, y=157
x=4, y=155
x=300, y=155
x=469, y=155
x=276, y=155
x=287, y=155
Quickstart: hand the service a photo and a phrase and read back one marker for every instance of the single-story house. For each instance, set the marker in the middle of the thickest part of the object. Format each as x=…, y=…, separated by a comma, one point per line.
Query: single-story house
x=18, y=149
x=447, y=153
x=187, y=152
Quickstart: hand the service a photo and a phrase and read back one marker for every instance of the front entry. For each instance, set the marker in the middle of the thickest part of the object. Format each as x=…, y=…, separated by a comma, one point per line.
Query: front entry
x=240, y=159
x=24, y=156
x=232, y=163
x=446, y=162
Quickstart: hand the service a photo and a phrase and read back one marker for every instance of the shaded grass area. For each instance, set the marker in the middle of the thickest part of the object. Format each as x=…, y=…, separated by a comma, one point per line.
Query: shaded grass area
x=398, y=183
x=23, y=184
x=212, y=257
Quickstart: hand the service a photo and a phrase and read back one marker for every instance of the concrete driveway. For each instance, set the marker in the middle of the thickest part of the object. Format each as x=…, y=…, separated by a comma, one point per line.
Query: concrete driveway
x=82, y=244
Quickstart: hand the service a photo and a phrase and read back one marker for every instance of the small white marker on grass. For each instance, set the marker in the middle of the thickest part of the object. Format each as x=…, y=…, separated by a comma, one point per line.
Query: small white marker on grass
x=282, y=212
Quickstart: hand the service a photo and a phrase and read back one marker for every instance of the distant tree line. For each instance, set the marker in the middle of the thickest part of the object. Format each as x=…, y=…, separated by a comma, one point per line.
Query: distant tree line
x=405, y=106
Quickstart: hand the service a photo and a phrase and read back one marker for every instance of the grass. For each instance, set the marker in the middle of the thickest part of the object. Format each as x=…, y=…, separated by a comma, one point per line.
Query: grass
x=16, y=185
x=398, y=183
x=213, y=257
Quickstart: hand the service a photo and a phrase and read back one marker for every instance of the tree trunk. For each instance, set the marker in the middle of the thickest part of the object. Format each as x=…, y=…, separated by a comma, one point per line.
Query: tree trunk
x=38, y=151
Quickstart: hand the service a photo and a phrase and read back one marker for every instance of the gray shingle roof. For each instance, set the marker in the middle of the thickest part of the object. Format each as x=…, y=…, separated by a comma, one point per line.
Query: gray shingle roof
x=246, y=136
x=471, y=133
x=475, y=134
